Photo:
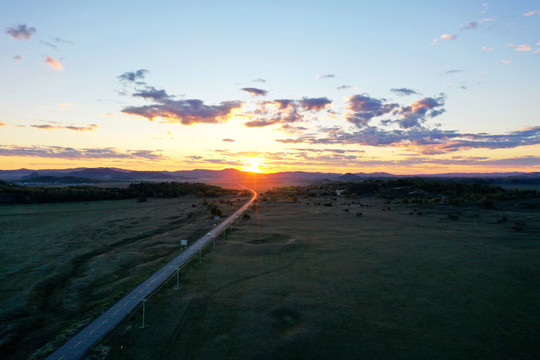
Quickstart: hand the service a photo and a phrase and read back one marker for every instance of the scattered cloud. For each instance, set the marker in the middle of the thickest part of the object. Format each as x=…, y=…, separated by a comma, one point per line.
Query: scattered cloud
x=91, y=127
x=261, y=80
x=505, y=62
x=255, y=91
x=2, y=123
x=522, y=47
x=486, y=20
x=132, y=76
x=343, y=87
x=21, y=32
x=487, y=48
x=228, y=140
x=326, y=76
x=362, y=108
x=55, y=64
x=71, y=153
x=262, y=122
x=453, y=71
x=532, y=12
x=18, y=57
x=404, y=92
x=470, y=26
x=448, y=37
x=166, y=107
x=46, y=43
x=315, y=103
x=423, y=140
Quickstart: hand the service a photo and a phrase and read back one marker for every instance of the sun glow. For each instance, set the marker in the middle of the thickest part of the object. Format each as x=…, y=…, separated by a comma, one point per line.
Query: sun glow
x=254, y=165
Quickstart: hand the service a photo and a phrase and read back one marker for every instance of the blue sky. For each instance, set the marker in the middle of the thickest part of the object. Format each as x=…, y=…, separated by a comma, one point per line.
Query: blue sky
x=395, y=86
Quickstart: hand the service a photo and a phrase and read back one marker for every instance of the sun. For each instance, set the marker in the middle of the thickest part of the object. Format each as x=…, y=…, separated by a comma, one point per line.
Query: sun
x=254, y=164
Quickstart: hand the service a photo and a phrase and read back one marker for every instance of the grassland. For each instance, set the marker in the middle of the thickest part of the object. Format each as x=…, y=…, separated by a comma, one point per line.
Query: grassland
x=361, y=279
x=63, y=264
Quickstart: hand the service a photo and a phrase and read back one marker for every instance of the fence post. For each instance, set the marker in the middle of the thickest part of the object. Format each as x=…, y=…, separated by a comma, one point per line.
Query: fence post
x=143, y=312
x=177, y=278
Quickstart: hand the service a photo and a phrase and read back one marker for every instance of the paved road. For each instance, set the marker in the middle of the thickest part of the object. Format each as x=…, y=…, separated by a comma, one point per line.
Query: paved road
x=77, y=346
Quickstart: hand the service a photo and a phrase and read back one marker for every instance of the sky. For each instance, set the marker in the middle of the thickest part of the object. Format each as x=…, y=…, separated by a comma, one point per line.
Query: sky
x=406, y=87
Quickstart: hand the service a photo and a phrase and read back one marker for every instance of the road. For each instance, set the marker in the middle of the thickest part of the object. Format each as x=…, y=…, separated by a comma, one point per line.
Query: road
x=77, y=346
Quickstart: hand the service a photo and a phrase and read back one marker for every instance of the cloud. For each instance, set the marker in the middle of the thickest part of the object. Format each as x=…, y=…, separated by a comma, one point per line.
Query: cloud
x=2, y=123
x=315, y=103
x=532, y=12
x=186, y=112
x=424, y=140
x=18, y=57
x=522, y=47
x=404, y=92
x=486, y=20
x=326, y=76
x=343, y=87
x=284, y=103
x=71, y=153
x=55, y=64
x=453, y=71
x=132, y=76
x=91, y=127
x=255, y=91
x=362, y=108
x=228, y=140
x=166, y=107
x=261, y=80
x=21, y=32
x=487, y=48
x=46, y=43
x=262, y=122
x=448, y=37
x=470, y=26
x=151, y=93
x=506, y=62
x=417, y=112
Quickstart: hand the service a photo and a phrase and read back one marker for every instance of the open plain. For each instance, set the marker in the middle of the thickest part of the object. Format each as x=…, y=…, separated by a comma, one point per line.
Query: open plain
x=360, y=279
x=63, y=264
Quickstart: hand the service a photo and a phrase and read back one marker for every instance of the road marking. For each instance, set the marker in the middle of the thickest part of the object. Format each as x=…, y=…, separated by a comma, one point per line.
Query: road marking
x=104, y=321
x=79, y=343
x=61, y=357
x=116, y=312
x=93, y=331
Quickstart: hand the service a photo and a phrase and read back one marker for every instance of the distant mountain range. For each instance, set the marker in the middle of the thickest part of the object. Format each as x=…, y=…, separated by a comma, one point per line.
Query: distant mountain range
x=93, y=175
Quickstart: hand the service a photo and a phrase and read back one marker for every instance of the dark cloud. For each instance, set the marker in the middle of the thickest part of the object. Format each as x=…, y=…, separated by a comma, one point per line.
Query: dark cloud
x=21, y=32
x=327, y=76
x=453, y=71
x=71, y=153
x=228, y=140
x=186, y=112
x=261, y=80
x=18, y=57
x=470, y=26
x=343, y=87
x=255, y=91
x=362, y=108
x=314, y=103
x=417, y=112
x=153, y=94
x=404, y=92
x=132, y=76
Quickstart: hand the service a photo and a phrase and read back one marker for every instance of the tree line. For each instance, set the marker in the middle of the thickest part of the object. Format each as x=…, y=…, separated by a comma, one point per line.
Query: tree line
x=19, y=194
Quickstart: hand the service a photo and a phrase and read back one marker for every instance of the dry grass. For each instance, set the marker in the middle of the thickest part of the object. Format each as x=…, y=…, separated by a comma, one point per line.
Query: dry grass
x=300, y=281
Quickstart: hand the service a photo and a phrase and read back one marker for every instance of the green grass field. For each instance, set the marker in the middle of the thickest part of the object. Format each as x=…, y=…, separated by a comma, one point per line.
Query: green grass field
x=299, y=281
x=63, y=264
